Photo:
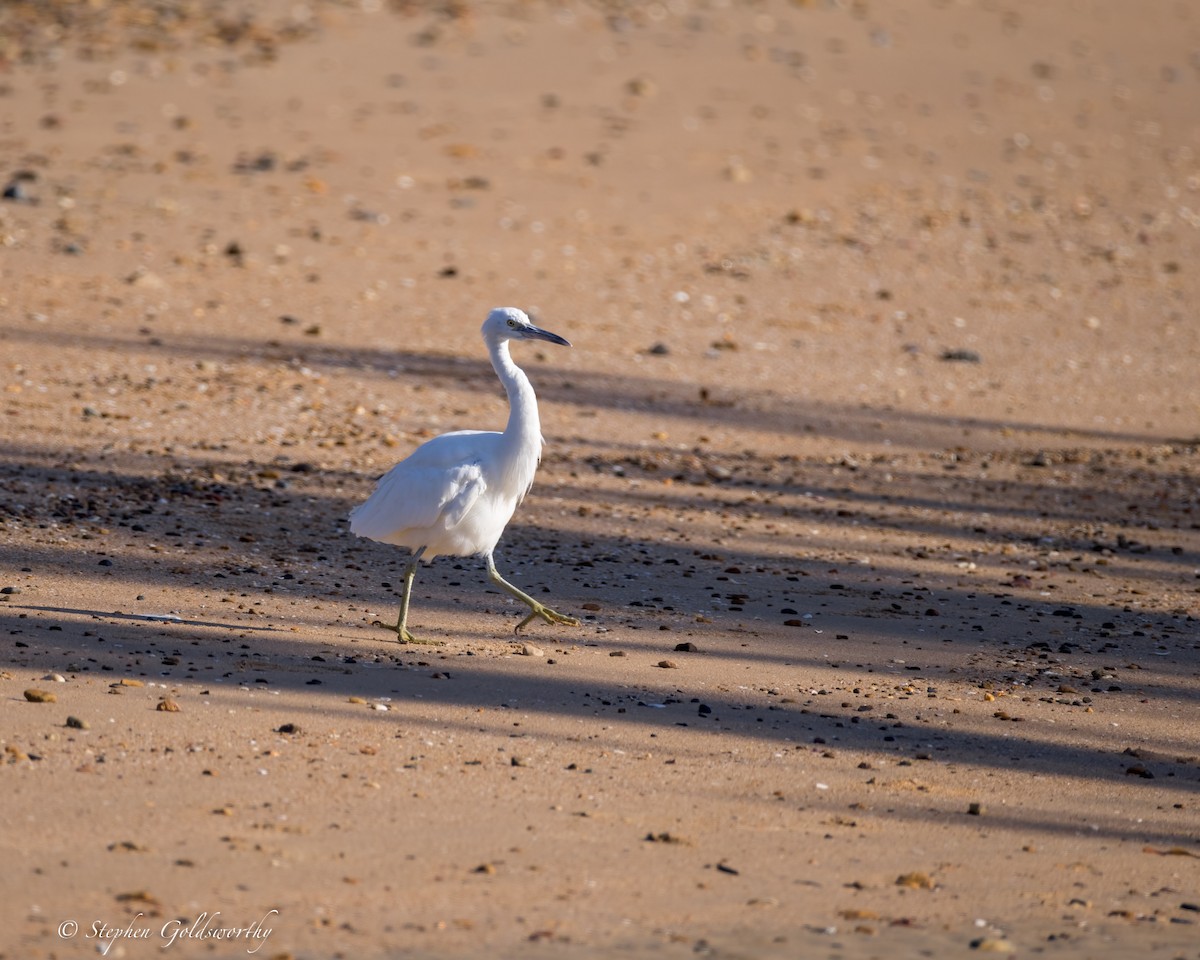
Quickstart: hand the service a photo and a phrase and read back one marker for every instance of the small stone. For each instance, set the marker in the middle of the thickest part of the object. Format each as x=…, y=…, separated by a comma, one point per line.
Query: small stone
x=961, y=356
x=641, y=87
x=915, y=881
x=128, y=682
x=288, y=728
x=167, y=706
x=10, y=591
x=591, y=606
x=15, y=192
x=55, y=678
x=993, y=945
x=529, y=650
x=687, y=647
x=738, y=173
x=76, y=724
x=975, y=809
x=141, y=277
x=126, y=846
x=485, y=868
x=33, y=695
x=667, y=664
x=138, y=896
x=617, y=653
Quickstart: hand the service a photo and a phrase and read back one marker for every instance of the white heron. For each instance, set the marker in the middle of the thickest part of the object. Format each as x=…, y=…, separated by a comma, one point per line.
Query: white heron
x=455, y=494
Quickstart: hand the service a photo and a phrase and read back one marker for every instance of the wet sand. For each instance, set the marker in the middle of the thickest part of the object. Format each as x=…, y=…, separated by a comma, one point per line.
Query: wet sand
x=872, y=474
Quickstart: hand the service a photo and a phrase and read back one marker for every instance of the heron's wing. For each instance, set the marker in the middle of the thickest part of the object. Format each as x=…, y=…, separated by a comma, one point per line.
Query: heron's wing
x=465, y=484
x=417, y=495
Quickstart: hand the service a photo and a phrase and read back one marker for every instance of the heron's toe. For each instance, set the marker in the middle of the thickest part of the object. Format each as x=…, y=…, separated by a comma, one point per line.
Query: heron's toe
x=550, y=616
x=406, y=637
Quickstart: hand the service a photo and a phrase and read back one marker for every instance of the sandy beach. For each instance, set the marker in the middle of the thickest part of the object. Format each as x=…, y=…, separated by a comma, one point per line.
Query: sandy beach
x=872, y=472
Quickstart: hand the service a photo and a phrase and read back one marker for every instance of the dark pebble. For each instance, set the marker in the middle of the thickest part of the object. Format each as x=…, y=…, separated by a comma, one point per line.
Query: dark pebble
x=15, y=192
x=961, y=356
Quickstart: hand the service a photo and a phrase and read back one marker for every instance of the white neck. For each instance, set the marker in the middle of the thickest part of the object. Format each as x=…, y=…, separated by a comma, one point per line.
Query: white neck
x=524, y=425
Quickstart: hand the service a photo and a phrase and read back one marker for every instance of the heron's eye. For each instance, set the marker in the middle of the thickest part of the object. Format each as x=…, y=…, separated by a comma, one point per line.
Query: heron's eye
x=512, y=323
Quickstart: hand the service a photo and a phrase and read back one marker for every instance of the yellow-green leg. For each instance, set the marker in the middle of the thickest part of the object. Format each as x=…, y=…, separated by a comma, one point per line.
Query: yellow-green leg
x=535, y=609
x=401, y=627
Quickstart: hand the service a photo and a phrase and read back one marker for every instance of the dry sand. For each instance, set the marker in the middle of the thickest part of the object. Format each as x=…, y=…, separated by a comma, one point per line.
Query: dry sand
x=883, y=398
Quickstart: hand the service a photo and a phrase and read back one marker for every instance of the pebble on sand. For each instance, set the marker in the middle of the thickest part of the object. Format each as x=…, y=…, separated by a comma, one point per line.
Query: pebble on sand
x=993, y=945
x=166, y=705
x=76, y=724
x=33, y=695
x=665, y=837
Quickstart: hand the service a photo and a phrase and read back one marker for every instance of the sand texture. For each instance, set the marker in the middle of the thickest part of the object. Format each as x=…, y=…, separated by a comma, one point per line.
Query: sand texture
x=873, y=474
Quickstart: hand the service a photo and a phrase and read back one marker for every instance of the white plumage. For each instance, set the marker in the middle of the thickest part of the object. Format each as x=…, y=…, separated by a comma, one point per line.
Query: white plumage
x=455, y=494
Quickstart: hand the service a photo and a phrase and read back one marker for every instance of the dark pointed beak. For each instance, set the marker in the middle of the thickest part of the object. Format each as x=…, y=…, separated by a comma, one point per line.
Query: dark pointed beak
x=537, y=333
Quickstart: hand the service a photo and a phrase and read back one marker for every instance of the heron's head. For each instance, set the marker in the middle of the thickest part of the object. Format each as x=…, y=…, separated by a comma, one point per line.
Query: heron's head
x=509, y=323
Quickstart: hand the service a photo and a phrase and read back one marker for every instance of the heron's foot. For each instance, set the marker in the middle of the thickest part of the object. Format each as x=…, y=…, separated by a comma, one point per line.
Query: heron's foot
x=537, y=610
x=403, y=636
